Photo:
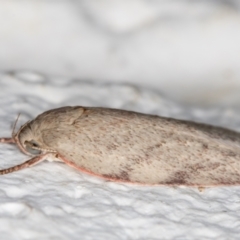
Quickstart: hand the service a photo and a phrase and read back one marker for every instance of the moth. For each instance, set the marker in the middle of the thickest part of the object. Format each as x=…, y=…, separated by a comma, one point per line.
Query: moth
x=127, y=146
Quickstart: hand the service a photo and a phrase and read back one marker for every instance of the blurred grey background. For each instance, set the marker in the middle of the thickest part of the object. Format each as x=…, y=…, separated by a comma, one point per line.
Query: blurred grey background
x=187, y=50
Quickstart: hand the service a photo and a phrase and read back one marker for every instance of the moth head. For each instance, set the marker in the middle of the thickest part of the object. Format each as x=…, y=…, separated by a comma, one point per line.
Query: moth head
x=28, y=141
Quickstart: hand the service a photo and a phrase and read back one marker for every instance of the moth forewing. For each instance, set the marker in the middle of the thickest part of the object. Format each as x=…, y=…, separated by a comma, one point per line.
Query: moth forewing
x=132, y=147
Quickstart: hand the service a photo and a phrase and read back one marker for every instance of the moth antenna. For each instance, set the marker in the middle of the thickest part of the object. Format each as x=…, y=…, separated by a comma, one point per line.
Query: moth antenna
x=26, y=164
x=10, y=140
x=14, y=126
x=7, y=140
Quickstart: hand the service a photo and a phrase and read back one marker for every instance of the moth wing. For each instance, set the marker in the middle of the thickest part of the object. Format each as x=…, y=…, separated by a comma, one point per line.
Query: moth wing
x=143, y=154
x=83, y=152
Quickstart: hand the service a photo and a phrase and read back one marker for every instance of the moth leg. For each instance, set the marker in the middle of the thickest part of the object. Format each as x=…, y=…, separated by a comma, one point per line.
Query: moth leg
x=26, y=164
x=7, y=140
x=201, y=189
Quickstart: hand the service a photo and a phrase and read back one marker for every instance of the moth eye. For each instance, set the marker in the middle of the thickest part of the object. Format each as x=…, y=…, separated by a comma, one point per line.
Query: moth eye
x=31, y=147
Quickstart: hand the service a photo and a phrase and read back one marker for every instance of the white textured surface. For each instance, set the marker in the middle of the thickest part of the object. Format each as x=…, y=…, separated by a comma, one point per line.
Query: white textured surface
x=177, y=47
x=54, y=201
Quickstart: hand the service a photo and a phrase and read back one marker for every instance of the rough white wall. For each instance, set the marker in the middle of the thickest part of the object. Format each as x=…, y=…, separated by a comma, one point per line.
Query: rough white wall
x=55, y=202
x=187, y=49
